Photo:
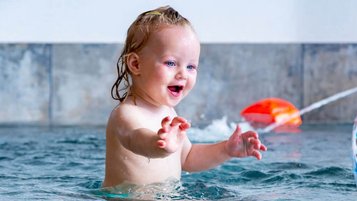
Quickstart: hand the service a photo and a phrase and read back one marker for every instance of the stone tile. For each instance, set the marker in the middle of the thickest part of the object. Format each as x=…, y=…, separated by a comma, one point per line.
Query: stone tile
x=232, y=76
x=70, y=83
x=82, y=79
x=329, y=69
x=24, y=86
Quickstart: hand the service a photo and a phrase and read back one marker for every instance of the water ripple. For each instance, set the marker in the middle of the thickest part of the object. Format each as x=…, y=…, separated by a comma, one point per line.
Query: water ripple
x=329, y=171
x=68, y=164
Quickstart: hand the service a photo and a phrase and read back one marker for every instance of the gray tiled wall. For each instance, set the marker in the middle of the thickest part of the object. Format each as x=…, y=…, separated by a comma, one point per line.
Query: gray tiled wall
x=70, y=84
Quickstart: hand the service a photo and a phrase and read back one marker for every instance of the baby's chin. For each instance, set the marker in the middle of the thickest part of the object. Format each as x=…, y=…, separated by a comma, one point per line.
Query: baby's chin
x=172, y=103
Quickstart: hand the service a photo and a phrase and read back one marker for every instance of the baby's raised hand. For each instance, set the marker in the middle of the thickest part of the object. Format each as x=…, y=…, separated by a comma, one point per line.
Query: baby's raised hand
x=172, y=133
x=244, y=144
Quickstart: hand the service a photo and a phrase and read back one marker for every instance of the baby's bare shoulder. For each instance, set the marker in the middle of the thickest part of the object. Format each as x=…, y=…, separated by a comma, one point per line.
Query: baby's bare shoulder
x=122, y=111
x=125, y=116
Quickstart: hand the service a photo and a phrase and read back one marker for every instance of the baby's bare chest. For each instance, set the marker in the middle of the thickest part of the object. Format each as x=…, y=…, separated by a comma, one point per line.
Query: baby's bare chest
x=140, y=168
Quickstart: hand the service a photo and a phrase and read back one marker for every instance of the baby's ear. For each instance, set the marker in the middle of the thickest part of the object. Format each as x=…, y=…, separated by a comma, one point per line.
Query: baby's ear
x=132, y=61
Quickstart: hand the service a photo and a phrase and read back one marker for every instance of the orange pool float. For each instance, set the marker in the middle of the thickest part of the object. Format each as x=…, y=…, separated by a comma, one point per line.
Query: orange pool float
x=272, y=110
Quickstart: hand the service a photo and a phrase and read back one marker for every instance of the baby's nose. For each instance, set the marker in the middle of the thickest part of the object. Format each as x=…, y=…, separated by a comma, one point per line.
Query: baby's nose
x=181, y=73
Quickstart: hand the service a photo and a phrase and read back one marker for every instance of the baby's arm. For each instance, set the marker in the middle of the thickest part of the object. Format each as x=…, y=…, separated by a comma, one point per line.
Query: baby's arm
x=147, y=143
x=206, y=156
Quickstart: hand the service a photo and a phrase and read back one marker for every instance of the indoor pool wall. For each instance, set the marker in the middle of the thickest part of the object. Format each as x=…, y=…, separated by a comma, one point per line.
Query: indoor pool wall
x=69, y=84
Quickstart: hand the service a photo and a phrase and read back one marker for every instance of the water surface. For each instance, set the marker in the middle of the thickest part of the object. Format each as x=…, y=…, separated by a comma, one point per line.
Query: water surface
x=67, y=163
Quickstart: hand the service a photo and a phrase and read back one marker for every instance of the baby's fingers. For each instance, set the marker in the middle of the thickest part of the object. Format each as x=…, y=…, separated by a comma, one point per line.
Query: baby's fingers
x=162, y=133
x=257, y=154
x=185, y=126
x=257, y=144
x=263, y=147
x=161, y=143
x=165, y=122
x=250, y=134
x=178, y=120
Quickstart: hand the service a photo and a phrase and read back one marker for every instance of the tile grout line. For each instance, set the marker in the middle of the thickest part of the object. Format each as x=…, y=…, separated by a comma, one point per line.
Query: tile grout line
x=302, y=77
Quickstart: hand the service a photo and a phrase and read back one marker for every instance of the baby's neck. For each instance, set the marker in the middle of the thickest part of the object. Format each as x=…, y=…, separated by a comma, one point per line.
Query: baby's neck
x=147, y=103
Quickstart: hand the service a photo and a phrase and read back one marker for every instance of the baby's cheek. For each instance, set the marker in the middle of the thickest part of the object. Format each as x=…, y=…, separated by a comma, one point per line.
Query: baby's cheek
x=191, y=84
x=163, y=76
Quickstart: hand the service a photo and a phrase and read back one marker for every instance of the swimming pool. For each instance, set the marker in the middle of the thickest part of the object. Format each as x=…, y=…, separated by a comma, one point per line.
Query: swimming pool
x=67, y=163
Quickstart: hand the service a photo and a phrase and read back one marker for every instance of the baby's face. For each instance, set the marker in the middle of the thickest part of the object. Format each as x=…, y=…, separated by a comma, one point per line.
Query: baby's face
x=168, y=64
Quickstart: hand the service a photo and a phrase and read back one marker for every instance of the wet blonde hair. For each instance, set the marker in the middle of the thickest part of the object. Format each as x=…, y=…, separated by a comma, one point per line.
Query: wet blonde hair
x=137, y=36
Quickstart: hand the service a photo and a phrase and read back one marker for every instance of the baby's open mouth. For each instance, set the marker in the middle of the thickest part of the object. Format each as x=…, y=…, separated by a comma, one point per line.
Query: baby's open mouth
x=175, y=89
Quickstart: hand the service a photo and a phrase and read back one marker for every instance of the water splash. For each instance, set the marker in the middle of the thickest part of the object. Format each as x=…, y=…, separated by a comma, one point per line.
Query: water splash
x=311, y=107
x=219, y=129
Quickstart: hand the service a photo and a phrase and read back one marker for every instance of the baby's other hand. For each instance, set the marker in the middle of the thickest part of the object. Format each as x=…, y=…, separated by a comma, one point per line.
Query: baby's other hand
x=172, y=133
x=244, y=144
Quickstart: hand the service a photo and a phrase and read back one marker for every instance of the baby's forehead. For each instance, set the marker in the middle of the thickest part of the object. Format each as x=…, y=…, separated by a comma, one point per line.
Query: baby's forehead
x=164, y=36
x=165, y=30
x=174, y=40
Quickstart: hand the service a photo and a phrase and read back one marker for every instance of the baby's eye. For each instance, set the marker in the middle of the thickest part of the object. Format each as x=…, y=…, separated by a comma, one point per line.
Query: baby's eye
x=191, y=67
x=170, y=63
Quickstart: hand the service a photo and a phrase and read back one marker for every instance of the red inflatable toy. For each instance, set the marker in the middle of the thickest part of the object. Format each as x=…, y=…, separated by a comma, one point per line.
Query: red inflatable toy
x=272, y=110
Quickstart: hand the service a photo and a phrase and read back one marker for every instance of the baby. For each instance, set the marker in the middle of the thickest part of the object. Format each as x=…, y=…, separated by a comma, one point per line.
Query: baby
x=146, y=140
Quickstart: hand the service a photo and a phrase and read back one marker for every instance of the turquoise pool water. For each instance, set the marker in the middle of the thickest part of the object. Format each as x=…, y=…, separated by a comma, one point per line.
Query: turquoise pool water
x=67, y=163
